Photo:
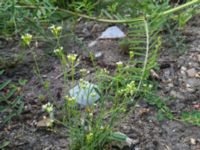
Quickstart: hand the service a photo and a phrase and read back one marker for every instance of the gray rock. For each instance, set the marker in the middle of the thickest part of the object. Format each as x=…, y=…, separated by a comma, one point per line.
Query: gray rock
x=112, y=33
x=191, y=72
x=176, y=94
x=92, y=44
x=98, y=55
x=85, y=93
x=198, y=57
x=193, y=82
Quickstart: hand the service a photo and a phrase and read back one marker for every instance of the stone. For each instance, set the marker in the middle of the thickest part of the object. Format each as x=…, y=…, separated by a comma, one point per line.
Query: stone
x=193, y=141
x=176, y=94
x=191, y=72
x=92, y=44
x=198, y=57
x=85, y=93
x=170, y=85
x=112, y=33
x=193, y=82
x=98, y=55
x=183, y=70
x=63, y=143
x=191, y=90
x=45, y=122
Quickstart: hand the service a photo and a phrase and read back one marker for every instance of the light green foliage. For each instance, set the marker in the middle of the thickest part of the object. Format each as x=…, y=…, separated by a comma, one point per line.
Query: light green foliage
x=4, y=144
x=191, y=117
x=16, y=19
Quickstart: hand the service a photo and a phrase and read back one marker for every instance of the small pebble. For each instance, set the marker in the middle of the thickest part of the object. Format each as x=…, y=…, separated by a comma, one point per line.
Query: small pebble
x=193, y=141
x=92, y=44
x=191, y=72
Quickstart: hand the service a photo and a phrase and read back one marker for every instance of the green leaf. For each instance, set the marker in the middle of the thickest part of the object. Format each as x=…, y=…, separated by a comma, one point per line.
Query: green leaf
x=11, y=93
x=4, y=144
x=2, y=108
x=22, y=82
x=1, y=72
x=4, y=84
x=118, y=136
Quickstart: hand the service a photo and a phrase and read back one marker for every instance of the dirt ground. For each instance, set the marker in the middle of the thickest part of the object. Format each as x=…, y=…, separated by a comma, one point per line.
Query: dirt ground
x=177, y=82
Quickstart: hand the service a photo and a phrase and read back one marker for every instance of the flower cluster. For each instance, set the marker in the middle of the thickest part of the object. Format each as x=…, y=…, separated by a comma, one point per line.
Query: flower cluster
x=72, y=57
x=55, y=30
x=84, y=84
x=129, y=89
x=119, y=65
x=84, y=72
x=104, y=71
x=70, y=100
x=58, y=51
x=27, y=39
x=147, y=87
x=48, y=107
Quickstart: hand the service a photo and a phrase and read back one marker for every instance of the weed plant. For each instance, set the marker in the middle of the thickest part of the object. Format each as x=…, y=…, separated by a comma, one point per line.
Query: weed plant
x=93, y=126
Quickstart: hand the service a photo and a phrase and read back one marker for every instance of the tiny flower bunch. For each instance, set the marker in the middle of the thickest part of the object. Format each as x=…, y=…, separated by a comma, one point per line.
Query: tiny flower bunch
x=119, y=65
x=129, y=89
x=72, y=58
x=104, y=71
x=147, y=87
x=58, y=51
x=26, y=38
x=84, y=72
x=71, y=101
x=49, y=109
x=56, y=30
x=84, y=84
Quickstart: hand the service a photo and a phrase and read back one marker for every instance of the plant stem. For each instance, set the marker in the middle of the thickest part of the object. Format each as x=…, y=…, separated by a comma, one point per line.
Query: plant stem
x=179, y=7
x=36, y=65
x=172, y=10
x=73, y=74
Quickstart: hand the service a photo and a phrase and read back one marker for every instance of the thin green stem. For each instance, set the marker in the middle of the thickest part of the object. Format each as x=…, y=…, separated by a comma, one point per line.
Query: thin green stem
x=172, y=10
x=73, y=74
x=179, y=7
x=36, y=65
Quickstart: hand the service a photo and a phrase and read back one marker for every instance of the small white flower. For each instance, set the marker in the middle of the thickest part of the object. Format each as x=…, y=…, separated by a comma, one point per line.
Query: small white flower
x=58, y=50
x=72, y=57
x=48, y=107
x=55, y=30
x=92, y=94
x=27, y=38
x=91, y=114
x=150, y=86
x=119, y=64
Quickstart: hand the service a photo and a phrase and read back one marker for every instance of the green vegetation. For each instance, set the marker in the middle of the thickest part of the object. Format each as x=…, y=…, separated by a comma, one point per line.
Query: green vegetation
x=93, y=127
x=192, y=117
x=11, y=104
